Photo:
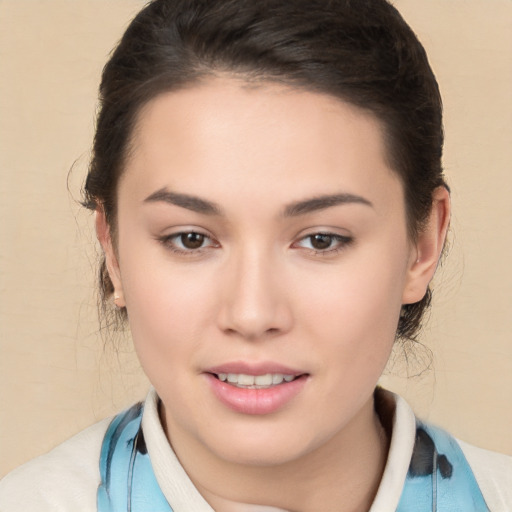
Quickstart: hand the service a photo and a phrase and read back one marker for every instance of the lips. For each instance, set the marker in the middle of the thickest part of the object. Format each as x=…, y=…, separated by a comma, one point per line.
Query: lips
x=255, y=388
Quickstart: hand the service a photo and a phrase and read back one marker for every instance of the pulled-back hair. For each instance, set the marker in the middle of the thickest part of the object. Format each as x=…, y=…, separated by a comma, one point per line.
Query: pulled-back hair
x=360, y=51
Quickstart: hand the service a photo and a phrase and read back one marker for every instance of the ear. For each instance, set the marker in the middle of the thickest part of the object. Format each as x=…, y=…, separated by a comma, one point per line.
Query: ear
x=427, y=248
x=105, y=239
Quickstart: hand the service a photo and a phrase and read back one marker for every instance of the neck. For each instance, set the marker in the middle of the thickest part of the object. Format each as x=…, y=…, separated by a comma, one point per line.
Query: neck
x=343, y=474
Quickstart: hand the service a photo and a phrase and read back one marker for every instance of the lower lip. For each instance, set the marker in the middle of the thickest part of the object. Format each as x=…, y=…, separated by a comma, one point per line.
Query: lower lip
x=256, y=401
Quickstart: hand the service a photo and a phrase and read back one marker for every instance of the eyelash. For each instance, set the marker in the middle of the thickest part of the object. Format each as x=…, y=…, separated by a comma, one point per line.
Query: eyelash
x=169, y=242
x=341, y=241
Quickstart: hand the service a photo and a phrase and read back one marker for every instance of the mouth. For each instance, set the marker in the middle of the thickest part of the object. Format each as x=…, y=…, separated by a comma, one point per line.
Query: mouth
x=255, y=389
x=265, y=381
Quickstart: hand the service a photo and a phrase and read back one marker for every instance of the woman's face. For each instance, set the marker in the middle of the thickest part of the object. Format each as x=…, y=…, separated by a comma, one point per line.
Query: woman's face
x=261, y=238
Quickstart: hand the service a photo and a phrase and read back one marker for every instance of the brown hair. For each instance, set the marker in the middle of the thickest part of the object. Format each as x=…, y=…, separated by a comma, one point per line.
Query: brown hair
x=360, y=51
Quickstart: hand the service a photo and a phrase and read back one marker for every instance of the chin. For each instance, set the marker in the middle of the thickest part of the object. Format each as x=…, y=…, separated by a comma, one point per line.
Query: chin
x=260, y=446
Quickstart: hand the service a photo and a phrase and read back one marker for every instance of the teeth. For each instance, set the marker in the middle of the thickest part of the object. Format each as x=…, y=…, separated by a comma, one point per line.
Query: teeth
x=262, y=380
x=255, y=381
x=245, y=380
x=277, y=378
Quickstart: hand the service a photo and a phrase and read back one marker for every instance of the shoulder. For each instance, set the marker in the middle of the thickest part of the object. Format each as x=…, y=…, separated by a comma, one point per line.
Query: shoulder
x=493, y=472
x=64, y=479
x=464, y=470
x=416, y=447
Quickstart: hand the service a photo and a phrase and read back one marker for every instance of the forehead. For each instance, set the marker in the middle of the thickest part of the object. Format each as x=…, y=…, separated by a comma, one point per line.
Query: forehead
x=225, y=135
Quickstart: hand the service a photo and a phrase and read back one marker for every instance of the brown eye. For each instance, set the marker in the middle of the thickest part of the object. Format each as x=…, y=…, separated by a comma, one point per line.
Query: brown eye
x=324, y=243
x=192, y=240
x=188, y=243
x=321, y=242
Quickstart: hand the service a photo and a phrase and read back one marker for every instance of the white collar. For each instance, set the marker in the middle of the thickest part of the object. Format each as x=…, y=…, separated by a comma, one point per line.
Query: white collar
x=403, y=434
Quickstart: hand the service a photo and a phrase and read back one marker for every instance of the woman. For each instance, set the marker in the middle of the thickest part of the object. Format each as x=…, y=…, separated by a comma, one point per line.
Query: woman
x=269, y=197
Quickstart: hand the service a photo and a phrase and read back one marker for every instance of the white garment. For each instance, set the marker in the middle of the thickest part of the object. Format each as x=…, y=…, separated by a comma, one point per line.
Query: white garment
x=67, y=478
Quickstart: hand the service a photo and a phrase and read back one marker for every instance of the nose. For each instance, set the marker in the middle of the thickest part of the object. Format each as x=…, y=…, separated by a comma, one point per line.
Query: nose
x=254, y=301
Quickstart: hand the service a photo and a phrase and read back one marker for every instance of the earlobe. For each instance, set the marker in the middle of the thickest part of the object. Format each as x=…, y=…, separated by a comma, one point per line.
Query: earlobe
x=104, y=237
x=428, y=248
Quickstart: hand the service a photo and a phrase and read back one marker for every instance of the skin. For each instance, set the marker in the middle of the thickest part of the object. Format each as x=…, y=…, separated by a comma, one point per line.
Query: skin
x=257, y=290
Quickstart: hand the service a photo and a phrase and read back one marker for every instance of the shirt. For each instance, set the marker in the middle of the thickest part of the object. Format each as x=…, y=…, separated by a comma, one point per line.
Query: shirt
x=67, y=478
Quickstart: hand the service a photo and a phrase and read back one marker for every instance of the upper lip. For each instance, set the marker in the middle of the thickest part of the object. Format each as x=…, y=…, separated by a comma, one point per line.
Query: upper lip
x=253, y=368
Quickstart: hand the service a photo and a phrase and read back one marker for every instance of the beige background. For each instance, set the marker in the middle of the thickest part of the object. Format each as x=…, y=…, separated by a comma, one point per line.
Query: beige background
x=57, y=377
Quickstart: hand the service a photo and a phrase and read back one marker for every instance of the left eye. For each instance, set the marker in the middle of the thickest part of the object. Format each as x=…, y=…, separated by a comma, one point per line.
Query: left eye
x=323, y=242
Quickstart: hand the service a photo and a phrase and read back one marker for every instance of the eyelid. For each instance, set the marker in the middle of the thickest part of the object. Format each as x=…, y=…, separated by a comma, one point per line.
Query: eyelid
x=167, y=241
x=343, y=241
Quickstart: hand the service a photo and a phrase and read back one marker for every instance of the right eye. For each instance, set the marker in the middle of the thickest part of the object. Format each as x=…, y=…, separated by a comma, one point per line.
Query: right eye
x=188, y=242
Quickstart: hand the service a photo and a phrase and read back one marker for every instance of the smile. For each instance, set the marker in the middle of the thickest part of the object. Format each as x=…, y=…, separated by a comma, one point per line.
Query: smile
x=255, y=389
x=242, y=380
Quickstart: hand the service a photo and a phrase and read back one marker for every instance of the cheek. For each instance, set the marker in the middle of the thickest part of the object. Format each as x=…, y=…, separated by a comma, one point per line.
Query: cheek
x=352, y=321
x=169, y=307
x=356, y=307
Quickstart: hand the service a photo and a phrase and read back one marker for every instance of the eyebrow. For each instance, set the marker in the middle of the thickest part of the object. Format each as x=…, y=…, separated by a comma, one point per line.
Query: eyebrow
x=323, y=202
x=196, y=204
